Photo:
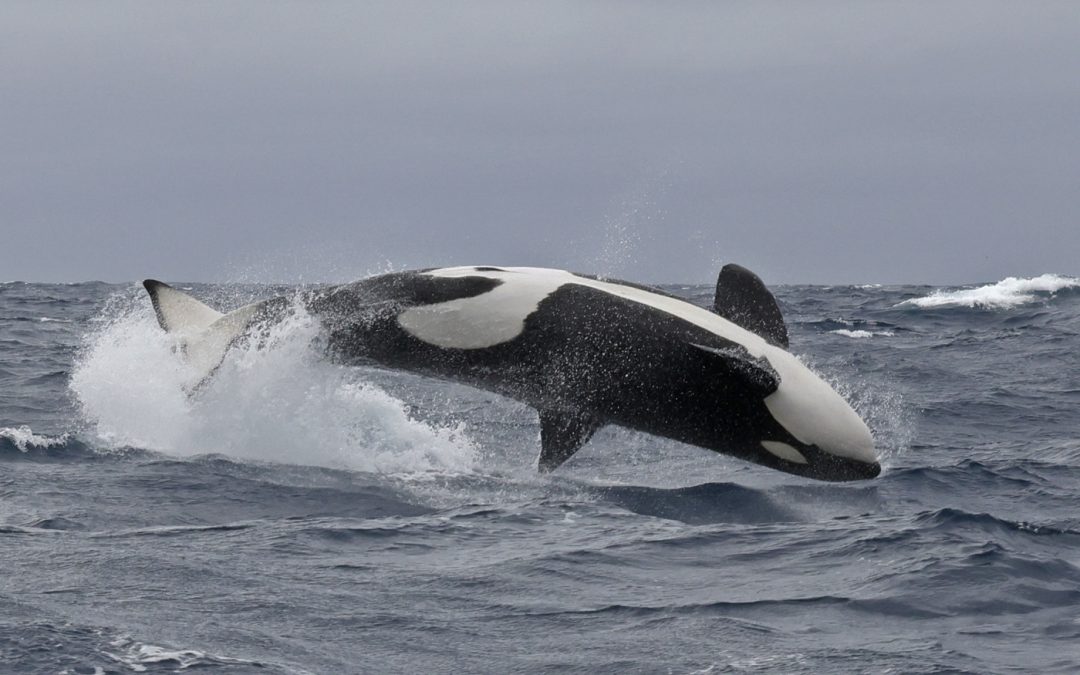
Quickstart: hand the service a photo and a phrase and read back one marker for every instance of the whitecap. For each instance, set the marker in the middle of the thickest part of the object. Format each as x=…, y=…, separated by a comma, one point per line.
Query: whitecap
x=1009, y=292
x=137, y=656
x=24, y=438
x=861, y=334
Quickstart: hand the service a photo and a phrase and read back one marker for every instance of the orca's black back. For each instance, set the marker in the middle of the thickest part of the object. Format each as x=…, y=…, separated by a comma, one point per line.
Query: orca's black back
x=581, y=349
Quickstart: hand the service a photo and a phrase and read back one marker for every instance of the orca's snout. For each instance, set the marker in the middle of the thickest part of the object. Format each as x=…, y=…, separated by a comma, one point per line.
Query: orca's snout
x=844, y=455
x=814, y=462
x=852, y=457
x=871, y=470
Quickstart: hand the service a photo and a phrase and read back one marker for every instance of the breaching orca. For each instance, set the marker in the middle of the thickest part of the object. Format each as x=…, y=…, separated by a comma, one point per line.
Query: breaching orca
x=583, y=351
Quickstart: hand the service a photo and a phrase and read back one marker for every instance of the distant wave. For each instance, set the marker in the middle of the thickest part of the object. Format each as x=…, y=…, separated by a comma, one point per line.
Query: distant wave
x=24, y=439
x=860, y=334
x=1006, y=293
x=950, y=518
x=138, y=656
x=22, y=444
x=855, y=328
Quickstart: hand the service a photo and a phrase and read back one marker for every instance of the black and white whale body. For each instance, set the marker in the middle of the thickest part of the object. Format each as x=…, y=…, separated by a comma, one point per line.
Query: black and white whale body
x=584, y=352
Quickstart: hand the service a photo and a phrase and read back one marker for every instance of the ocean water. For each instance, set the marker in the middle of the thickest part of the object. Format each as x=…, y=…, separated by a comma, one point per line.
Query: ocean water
x=300, y=517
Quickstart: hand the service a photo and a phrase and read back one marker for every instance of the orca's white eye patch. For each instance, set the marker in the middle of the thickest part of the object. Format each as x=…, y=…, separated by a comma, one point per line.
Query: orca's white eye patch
x=784, y=451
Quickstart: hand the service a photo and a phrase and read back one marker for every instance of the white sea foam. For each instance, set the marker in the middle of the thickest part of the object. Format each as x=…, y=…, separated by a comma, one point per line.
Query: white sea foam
x=276, y=401
x=137, y=656
x=1006, y=293
x=23, y=438
x=861, y=334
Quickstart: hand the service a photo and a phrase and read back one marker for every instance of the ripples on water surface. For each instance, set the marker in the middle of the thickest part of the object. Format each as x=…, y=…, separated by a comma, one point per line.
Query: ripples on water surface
x=300, y=517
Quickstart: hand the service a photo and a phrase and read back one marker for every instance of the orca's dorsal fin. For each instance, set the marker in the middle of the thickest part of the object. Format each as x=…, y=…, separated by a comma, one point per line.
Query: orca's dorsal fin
x=205, y=334
x=561, y=435
x=741, y=298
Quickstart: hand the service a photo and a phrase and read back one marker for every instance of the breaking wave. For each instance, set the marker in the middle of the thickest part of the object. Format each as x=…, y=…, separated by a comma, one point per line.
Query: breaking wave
x=1006, y=293
x=140, y=657
x=24, y=439
x=861, y=334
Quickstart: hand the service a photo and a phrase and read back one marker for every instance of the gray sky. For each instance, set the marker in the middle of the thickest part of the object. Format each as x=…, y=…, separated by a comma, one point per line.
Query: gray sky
x=816, y=142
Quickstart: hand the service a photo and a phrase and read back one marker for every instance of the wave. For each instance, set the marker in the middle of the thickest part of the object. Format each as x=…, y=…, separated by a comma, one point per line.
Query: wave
x=22, y=444
x=23, y=438
x=31, y=319
x=139, y=656
x=862, y=334
x=1007, y=293
x=958, y=519
x=732, y=609
x=853, y=327
x=54, y=645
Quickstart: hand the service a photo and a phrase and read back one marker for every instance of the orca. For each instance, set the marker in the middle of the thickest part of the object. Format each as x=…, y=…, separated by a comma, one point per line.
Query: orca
x=583, y=351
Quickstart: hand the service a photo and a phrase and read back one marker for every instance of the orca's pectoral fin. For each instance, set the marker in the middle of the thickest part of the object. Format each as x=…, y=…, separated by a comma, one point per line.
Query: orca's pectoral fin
x=741, y=298
x=756, y=373
x=561, y=435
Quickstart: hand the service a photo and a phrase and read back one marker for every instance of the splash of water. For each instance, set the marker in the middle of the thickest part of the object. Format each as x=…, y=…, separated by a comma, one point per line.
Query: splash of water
x=880, y=405
x=631, y=221
x=272, y=401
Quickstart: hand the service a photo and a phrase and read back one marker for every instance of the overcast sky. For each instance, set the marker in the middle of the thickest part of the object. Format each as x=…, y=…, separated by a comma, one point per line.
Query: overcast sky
x=815, y=142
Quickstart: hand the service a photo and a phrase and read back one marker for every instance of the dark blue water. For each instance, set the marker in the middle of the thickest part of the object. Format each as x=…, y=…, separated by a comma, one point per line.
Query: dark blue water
x=300, y=517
